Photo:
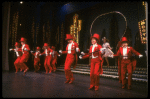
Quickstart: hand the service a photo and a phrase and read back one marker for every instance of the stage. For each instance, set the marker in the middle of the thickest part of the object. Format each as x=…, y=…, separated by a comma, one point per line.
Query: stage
x=51, y=85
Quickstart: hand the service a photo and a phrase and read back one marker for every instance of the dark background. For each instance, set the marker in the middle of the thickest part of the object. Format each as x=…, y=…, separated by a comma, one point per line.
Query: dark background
x=51, y=15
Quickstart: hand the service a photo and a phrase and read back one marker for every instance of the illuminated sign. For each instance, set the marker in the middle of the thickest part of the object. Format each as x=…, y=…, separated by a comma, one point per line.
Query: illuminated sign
x=142, y=29
x=76, y=28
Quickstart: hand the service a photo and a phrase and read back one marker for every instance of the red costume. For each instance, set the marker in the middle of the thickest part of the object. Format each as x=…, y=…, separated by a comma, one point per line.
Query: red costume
x=54, y=58
x=25, y=55
x=18, y=54
x=37, y=59
x=48, y=58
x=71, y=59
x=96, y=63
x=127, y=62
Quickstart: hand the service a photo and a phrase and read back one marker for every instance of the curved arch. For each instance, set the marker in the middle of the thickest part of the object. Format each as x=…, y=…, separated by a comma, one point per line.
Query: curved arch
x=109, y=13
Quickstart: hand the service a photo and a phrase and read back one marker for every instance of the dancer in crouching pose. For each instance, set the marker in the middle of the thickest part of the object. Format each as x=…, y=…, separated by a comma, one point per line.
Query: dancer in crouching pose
x=18, y=53
x=54, y=58
x=36, y=59
x=48, y=57
x=25, y=55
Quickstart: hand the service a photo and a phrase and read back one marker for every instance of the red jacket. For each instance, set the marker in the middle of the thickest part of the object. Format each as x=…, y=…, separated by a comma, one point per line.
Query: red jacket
x=54, y=54
x=97, y=53
x=18, y=52
x=25, y=49
x=49, y=52
x=36, y=56
x=74, y=50
x=130, y=51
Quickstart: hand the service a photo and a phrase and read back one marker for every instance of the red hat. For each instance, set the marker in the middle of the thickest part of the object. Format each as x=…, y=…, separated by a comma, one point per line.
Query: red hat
x=16, y=44
x=68, y=37
x=124, y=39
x=45, y=44
x=23, y=39
x=97, y=36
x=38, y=48
x=53, y=47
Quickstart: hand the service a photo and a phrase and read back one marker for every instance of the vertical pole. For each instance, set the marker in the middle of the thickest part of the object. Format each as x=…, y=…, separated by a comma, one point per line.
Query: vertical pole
x=147, y=34
x=5, y=35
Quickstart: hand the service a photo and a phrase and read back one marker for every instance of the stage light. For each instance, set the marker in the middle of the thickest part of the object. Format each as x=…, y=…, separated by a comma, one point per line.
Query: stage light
x=21, y=2
x=143, y=2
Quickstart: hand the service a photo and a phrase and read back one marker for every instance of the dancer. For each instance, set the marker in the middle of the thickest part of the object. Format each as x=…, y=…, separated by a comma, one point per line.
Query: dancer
x=48, y=57
x=71, y=59
x=25, y=55
x=128, y=63
x=54, y=58
x=107, y=50
x=18, y=54
x=96, y=61
x=37, y=59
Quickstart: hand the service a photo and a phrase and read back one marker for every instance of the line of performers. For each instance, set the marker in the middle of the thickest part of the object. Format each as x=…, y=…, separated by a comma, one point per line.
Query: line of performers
x=97, y=53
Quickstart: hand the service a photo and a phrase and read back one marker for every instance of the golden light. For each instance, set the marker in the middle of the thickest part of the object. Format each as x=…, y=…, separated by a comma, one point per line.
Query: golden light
x=20, y=24
x=143, y=2
x=142, y=29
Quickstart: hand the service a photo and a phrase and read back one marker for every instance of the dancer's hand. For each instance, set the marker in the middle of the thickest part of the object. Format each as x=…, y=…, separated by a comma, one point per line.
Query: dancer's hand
x=10, y=49
x=31, y=51
x=111, y=56
x=82, y=53
x=140, y=56
x=60, y=51
x=77, y=49
x=80, y=57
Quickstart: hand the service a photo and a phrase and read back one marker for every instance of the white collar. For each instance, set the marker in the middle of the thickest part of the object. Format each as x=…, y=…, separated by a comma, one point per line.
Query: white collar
x=95, y=44
x=23, y=45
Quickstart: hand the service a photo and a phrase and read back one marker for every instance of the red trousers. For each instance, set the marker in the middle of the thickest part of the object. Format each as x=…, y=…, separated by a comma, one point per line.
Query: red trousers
x=24, y=58
x=95, y=71
x=119, y=68
x=53, y=63
x=70, y=59
x=16, y=63
x=126, y=65
x=47, y=64
x=37, y=64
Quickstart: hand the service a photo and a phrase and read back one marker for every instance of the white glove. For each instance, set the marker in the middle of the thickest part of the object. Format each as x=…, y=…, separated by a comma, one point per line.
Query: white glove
x=10, y=49
x=60, y=51
x=77, y=49
x=80, y=57
x=31, y=51
x=82, y=53
x=59, y=55
x=26, y=49
x=140, y=56
x=111, y=56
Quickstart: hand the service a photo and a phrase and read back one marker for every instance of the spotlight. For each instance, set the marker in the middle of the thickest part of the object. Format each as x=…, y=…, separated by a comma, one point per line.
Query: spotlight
x=21, y=2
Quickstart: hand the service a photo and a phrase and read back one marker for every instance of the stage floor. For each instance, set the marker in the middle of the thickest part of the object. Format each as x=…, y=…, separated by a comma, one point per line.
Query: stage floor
x=51, y=85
